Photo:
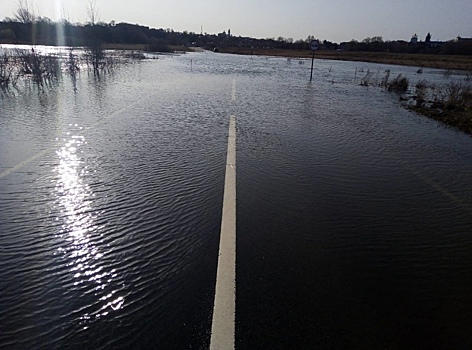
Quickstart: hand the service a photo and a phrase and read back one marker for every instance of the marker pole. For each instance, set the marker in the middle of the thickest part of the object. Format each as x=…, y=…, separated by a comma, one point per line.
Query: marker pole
x=314, y=45
x=312, y=60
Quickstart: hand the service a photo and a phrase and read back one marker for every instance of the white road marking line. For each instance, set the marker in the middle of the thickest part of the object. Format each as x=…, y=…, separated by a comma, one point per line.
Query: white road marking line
x=224, y=310
x=23, y=163
x=449, y=195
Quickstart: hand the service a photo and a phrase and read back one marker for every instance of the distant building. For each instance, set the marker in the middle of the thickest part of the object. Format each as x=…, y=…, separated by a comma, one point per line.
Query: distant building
x=225, y=35
x=459, y=39
x=434, y=44
x=414, y=39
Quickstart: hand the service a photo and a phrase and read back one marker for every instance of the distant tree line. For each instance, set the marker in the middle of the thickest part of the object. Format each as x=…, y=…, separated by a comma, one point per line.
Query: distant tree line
x=46, y=32
x=27, y=28
x=43, y=31
x=376, y=44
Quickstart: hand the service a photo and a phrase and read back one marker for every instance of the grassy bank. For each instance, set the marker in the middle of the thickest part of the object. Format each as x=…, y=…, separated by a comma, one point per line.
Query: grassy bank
x=131, y=47
x=418, y=60
x=450, y=104
x=145, y=47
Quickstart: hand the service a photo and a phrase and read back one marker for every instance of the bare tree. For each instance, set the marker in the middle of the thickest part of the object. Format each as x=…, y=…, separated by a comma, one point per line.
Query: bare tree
x=65, y=17
x=24, y=13
x=94, y=47
x=92, y=12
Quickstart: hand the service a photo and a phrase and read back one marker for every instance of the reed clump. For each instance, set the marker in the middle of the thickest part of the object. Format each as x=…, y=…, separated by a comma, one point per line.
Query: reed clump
x=39, y=67
x=450, y=104
x=31, y=65
x=399, y=84
x=25, y=64
x=9, y=72
x=367, y=79
x=421, y=93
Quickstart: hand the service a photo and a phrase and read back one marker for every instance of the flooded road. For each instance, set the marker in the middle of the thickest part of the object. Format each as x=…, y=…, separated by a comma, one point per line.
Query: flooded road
x=354, y=215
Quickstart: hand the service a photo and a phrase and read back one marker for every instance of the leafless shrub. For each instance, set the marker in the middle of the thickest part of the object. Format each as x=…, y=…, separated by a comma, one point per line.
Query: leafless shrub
x=399, y=84
x=451, y=104
x=420, y=92
x=384, y=82
x=72, y=64
x=457, y=95
x=366, y=80
x=95, y=57
x=39, y=67
x=9, y=72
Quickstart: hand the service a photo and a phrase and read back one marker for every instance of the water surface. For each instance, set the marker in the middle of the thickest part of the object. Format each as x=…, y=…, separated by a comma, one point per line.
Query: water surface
x=353, y=214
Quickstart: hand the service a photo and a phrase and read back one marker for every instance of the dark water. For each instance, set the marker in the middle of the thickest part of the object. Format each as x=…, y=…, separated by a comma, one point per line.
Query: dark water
x=110, y=238
x=354, y=216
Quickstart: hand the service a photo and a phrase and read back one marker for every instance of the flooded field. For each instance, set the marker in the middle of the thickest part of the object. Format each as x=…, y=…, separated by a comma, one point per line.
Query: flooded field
x=354, y=215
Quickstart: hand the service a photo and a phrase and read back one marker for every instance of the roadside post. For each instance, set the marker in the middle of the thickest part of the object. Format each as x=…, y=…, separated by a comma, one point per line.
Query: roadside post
x=314, y=45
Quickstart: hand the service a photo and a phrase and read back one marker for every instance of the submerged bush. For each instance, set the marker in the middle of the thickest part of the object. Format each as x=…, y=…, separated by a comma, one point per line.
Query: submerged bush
x=399, y=84
x=420, y=92
x=366, y=80
x=95, y=57
x=458, y=96
x=9, y=72
x=384, y=82
x=30, y=64
x=451, y=104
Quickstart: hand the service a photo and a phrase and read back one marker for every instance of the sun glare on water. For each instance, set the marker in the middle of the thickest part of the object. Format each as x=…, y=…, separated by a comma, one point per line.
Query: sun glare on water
x=79, y=230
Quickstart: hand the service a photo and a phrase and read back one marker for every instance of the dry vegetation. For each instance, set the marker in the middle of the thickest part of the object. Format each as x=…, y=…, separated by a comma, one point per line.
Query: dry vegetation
x=27, y=64
x=419, y=60
x=450, y=104
x=30, y=65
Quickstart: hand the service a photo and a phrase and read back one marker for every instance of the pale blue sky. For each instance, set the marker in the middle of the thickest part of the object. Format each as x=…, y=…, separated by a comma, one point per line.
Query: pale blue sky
x=334, y=20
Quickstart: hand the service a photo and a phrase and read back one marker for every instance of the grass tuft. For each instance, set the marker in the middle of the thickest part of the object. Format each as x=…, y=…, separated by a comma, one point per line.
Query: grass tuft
x=399, y=84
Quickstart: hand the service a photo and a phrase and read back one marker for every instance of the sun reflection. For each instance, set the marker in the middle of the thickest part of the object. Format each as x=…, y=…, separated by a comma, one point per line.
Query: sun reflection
x=60, y=12
x=79, y=229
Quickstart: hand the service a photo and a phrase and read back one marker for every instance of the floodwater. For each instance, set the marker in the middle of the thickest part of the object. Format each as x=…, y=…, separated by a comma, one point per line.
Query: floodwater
x=354, y=215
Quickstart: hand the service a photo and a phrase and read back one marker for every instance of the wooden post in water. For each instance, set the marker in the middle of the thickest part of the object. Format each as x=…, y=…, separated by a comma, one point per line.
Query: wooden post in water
x=314, y=45
x=312, y=60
